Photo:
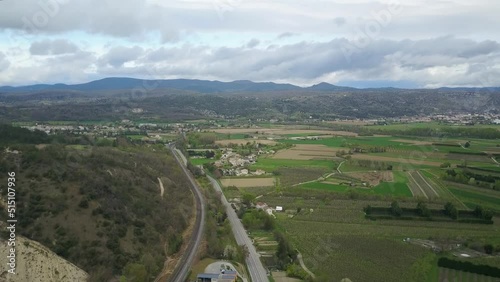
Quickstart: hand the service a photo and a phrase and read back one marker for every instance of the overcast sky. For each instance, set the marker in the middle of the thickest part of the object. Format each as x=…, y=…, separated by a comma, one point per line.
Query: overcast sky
x=419, y=43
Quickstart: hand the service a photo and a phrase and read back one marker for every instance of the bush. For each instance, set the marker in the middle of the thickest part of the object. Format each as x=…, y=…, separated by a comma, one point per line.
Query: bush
x=296, y=271
x=84, y=204
x=368, y=209
x=395, y=209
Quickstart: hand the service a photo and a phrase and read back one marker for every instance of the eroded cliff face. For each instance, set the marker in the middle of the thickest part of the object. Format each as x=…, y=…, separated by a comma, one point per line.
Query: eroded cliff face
x=36, y=263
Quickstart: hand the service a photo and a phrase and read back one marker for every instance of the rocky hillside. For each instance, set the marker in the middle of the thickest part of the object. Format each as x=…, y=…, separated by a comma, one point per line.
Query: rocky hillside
x=36, y=262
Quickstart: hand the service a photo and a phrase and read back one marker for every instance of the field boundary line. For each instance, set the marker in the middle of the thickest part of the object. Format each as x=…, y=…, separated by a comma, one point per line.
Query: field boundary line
x=447, y=191
x=430, y=186
x=495, y=160
x=415, y=181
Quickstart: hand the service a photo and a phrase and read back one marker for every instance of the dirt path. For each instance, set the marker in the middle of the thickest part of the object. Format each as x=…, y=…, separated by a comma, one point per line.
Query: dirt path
x=162, y=190
x=338, y=168
x=301, y=261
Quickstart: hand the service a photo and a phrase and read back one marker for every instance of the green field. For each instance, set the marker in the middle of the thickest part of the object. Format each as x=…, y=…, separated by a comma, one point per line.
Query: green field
x=396, y=144
x=136, y=137
x=335, y=233
x=269, y=164
x=200, y=161
x=434, y=125
x=327, y=187
x=472, y=199
x=326, y=223
x=396, y=188
x=226, y=136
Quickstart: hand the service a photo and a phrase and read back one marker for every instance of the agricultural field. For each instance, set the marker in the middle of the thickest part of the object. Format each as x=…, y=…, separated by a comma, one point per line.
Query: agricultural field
x=373, y=178
x=395, y=184
x=226, y=142
x=306, y=152
x=333, y=234
x=325, y=180
x=433, y=125
x=271, y=164
x=248, y=182
x=283, y=131
x=472, y=196
x=200, y=161
x=420, y=187
x=403, y=161
x=296, y=175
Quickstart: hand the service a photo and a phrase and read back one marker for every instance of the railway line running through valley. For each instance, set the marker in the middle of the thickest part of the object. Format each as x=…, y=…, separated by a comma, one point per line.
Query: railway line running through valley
x=184, y=265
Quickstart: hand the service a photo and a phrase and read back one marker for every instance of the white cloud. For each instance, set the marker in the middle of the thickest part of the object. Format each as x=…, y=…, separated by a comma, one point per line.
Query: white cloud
x=452, y=42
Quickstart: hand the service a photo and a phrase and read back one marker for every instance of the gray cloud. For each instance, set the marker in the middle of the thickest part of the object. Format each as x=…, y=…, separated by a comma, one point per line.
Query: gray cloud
x=424, y=62
x=117, y=56
x=52, y=47
x=253, y=43
x=300, y=42
x=4, y=63
x=339, y=21
x=431, y=62
x=135, y=19
x=286, y=35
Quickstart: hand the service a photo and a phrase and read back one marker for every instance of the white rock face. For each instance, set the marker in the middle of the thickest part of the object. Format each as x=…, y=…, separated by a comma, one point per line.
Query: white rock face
x=36, y=263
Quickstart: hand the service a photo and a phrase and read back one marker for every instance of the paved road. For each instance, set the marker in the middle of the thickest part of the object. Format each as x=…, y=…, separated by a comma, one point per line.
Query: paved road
x=257, y=271
x=183, y=267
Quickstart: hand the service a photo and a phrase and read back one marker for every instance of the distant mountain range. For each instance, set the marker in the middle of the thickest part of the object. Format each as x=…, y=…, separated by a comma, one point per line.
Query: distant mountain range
x=201, y=86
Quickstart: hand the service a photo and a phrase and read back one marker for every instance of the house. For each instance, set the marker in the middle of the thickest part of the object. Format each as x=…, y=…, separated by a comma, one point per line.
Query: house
x=259, y=172
x=279, y=208
x=261, y=206
x=207, y=277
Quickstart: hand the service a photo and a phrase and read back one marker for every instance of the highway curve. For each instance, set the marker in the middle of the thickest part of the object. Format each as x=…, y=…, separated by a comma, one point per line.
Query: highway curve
x=181, y=271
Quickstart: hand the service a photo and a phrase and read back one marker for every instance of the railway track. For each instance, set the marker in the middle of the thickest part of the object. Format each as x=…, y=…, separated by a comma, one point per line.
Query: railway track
x=183, y=266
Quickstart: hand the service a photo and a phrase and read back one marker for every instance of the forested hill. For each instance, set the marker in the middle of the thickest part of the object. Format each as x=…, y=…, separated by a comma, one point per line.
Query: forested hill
x=100, y=207
x=18, y=135
x=116, y=98
x=286, y=106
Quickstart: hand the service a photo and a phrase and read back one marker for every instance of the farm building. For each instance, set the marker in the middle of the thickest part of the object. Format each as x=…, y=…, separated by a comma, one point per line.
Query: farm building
x=225, y=276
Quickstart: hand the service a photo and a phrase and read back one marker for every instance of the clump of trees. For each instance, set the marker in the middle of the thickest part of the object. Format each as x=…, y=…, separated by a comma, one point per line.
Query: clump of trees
x=468, y=176
x=422, y=210
x=451, y=210
x=258, y=219
x=286, y=255
x=480, y=212
x=395, y=209
x=469, y=267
